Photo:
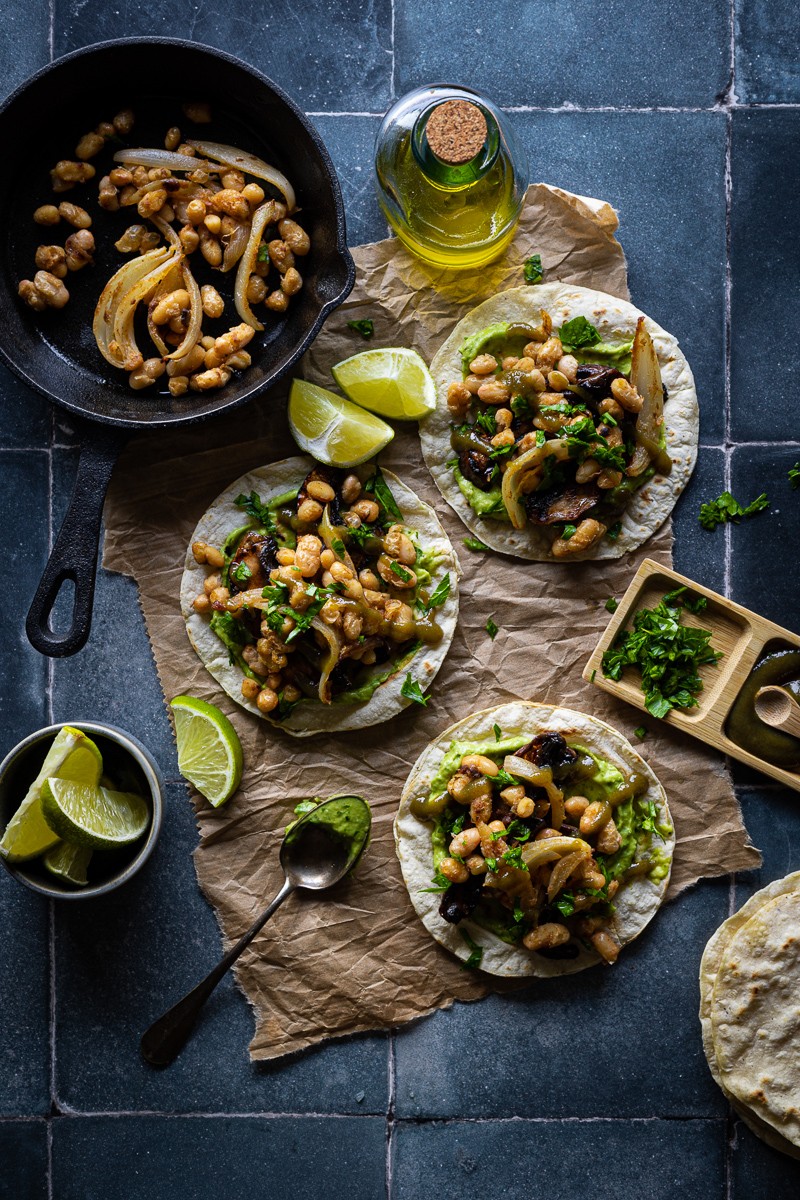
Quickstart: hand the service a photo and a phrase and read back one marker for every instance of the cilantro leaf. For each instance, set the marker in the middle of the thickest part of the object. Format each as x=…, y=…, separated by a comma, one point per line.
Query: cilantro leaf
x=377, y=486
x=519, y=831
x=640, y=732
x=399, y=570
x=614, y=531
x=514, y=858
x=486, y=422
x=565, y=904
x=365, y=327
x=475, y=544
x=568, y=532
x=727, y=508
x=667, y=653
x=241, y=572
x=476, y=951
x=794, y=475
x=533, y=269
x=497, y=731
x=263, y=253
x=254, y=508
x=491, y=863
x=520, y=407
x=412, y=691
x=440, y=593
x=440, y=883
x=492, y=629
x=578, y=332
x=611, y=604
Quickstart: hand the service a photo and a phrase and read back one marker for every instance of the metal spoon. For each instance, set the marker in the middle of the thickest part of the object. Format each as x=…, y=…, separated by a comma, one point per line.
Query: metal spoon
x=315, y=854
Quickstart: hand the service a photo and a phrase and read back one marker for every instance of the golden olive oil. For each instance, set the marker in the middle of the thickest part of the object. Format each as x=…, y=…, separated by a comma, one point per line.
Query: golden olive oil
x=450, y=178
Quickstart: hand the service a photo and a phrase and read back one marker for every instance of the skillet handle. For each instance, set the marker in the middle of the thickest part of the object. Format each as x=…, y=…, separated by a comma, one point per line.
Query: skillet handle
x=74, y=556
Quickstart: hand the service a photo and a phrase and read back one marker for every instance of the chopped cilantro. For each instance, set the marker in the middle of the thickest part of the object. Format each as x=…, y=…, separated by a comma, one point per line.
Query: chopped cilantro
x=497, y=731
x=491, y=863
x=412, y=691
x=514, y=858
x=611, y=604
x=794, y=475
x=591, y=677
x=565, y=904
x=578, y=332
x=667, y=653
x=440, y=883
x=520, y=407
x=365, y=327
x=569, y=531
x=337, y=545
x=502, y=778
x=399, y=570
x=440, y=593
x=640, y=732
x=377, y=486
x=241, y=572
x=519, y=831
x=533, y=269
x=519, y=915
x=726, y=508
x=476, y=951
x=475, y=544
x=263, y=253
x=492, y=629
x=614, y=531
x=254, y=508
x=486, y=422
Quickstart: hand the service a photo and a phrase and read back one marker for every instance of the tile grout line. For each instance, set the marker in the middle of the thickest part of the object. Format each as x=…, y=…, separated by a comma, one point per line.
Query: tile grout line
x=728, y=104
x=393, y=72
x=390, y=1111
x=70, y=1114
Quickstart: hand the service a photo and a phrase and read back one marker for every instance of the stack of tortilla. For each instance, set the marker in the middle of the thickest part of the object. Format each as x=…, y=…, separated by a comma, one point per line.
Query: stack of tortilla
x=750, y=1012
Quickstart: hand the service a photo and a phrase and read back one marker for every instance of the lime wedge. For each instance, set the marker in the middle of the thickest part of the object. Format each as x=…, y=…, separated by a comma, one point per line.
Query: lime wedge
x=69, y=862
x=333, y=430
x=93, y=816
x=72, y=755
x=209, y=750
x=393, y=382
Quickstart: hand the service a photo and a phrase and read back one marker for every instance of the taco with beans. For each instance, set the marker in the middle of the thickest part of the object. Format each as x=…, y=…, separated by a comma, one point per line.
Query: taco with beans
x=320, y=599
x=566, y=423
x=534, y=840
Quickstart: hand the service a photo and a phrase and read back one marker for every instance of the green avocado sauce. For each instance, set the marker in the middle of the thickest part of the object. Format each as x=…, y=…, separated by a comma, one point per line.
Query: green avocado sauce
x=347, y=818
x=485, y=504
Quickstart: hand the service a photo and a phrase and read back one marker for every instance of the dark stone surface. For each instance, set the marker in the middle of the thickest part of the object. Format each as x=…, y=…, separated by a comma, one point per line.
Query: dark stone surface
x=665, y=174
x=614, y=1043
x=24, y=43
x=24, y=1002
x=699, y=553
x=279, y=1158
x=329, y=55
x=24, y=415
x=350, y=142
x=764, y=573
x=772, y=817
x=551, y=1160
x=766, y=288
x=767, y=52
x=121, y=961
x=23, y=1154
x=568, y=53
x=760, y=1171
x=88, y=684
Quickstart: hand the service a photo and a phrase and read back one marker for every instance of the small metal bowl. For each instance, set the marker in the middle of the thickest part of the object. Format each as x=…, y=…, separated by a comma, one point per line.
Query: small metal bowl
x=128, y=763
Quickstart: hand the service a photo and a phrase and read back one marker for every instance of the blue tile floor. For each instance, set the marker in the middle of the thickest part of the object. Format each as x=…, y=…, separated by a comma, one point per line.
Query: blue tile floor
x=687, y=118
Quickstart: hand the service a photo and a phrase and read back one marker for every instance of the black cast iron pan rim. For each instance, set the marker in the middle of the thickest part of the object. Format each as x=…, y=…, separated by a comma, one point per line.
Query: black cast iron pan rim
x=165, y=420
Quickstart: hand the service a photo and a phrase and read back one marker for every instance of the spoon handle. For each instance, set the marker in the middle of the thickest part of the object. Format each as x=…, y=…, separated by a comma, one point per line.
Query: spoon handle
x=167, y=1036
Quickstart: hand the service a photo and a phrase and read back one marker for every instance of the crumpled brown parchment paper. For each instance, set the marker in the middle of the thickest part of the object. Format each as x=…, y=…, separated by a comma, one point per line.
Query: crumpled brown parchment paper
x=358, y=959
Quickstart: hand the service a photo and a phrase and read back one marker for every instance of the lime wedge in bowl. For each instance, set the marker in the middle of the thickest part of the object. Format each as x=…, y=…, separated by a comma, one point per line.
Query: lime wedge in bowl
x=394, y=382
x=69, y=862
x=73, y=756
x=209, y=750
x=333, y=430
x=93, y=816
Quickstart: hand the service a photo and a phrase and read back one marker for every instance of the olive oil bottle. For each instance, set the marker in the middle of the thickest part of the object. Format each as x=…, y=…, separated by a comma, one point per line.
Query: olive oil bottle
x=450, y=177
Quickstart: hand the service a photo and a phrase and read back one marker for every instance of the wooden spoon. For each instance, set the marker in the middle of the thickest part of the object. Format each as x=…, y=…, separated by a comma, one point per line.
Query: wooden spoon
x=778, y=708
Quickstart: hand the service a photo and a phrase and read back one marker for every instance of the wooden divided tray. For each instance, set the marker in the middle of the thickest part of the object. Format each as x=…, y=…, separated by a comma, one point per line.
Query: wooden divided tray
x=740, y=634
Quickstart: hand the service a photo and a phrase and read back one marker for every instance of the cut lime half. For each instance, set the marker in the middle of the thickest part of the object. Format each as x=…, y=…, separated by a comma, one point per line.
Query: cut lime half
x=333, y=430
x=69, y=862
x=93, y=816
x=393, y=382
x=209, y=750
x=72, y=755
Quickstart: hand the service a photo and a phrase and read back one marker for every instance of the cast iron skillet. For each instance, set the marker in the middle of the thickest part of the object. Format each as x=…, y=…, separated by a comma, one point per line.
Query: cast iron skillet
x=54, y=352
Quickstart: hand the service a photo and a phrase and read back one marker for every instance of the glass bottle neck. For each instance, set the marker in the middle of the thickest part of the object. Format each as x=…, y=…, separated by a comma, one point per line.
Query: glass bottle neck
x=447, y=175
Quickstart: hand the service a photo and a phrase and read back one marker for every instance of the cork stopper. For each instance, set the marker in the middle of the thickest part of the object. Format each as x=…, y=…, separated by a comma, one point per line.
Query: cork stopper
x=456, y=131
